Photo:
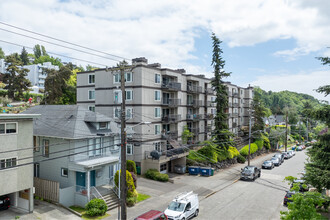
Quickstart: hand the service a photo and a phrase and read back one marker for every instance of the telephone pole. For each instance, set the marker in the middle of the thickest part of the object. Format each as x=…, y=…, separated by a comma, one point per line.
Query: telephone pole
x=123, y=189
x=286, y=131
x=249, y=140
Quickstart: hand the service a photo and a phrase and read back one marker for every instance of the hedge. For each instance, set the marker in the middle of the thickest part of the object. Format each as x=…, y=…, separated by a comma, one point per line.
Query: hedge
x=156, y=175
x=131, y=166
x=209, y=152
x=96, y=207
x=240, y=159
x=245, y=150
x=259, y=143
x=196, y=157
x=266, y=142
x=233, y=152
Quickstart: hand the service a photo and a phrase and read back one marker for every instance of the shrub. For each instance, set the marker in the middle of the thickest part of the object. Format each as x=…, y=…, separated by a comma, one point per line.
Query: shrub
x=3, y=92
x=156, y=175
x=223, y=154
x=129, y=181
x=233, y=151
x=96, y=207
x=131, y=166
x=209, y=151
x=240, y=159
x=266, y=142
x=196, y=157
x=134, y=178
x=245, y=150
x=5, y=100
x=259, y=143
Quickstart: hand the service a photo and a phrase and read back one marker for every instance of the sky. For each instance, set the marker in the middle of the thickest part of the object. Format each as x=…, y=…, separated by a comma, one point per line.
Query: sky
x=272, y=44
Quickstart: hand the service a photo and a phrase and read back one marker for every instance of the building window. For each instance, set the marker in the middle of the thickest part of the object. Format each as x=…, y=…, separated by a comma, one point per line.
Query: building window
x=213, y=98
x=2, y=128
x=94, y=147
x=213, y=111
x=129, y=95
x=91, y=94
x=91, y=108
x=163, y=167
x=103, y=125
x=116, y=78
x=129, y=77
x=116, y=113
x=36, y=170
x=64, y=172
x=129, y=113
x=157, y=78
x=46, y=148
x=117, y=97
x=35, y=144
x=158, y=147
x=8, y=163
x=157, y=112
x=157, y=95
x=11, y=128
x=91, y=79
x=157, y=129
x=129, y=149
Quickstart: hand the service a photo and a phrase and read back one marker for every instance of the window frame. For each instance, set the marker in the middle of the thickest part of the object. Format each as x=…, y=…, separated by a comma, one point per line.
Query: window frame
x=103, y=127
x=44, y=148
x=155, y=96
x=129, y=146
x=157, y=133
x=115, y=109
x=158, y=110
x=5, y=128
x=158, y=145
x=91, y=108
x=126, y=115
x=89, y=79
x=5, y=161
x=62, y=172
x=156, y=77
x=126, y=92
x=131, y=76
x=89, y=94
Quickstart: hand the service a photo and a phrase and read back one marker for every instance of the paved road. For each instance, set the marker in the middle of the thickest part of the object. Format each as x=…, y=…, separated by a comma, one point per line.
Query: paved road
x=222, y=196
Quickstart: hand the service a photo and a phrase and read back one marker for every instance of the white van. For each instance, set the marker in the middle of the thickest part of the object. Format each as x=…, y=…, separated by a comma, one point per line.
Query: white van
x=183, y=206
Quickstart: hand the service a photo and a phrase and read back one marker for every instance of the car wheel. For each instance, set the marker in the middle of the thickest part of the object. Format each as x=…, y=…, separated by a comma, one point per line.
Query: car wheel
x=196, y=212
x=259, y=174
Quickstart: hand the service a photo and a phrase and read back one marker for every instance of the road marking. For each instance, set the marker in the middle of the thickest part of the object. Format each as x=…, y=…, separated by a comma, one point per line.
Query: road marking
x=212, y=193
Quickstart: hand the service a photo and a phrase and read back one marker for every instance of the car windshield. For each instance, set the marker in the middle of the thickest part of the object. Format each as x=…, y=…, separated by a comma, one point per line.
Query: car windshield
x=274, y=158
x=176, y=206
x=248, y=169
x=267, y=162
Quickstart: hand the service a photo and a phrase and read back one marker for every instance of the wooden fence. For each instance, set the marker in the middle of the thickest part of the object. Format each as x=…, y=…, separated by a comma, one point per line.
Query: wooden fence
x=47, y=189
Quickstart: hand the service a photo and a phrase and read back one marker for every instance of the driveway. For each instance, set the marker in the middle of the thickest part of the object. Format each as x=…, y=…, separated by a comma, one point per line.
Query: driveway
x=42, y=210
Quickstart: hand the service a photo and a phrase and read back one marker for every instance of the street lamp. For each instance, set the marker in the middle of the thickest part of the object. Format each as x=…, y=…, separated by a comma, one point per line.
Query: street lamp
x=122, y=180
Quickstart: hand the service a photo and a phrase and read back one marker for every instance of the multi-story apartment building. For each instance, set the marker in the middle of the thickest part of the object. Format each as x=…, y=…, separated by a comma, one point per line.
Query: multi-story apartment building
x=170, y=99
x=16, y=159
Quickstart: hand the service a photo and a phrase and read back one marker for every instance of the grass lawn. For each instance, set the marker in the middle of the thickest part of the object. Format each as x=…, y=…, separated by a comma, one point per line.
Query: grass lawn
x=142, y=197
x=84, y=216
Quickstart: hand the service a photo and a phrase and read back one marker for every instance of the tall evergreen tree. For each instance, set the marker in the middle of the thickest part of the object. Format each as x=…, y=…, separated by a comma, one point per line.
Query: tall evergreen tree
x=2, y=54
x=258, y=113
x=221, y=134
x=15, y=77
x=43, y=50
x=24, y=56
x=37, y=51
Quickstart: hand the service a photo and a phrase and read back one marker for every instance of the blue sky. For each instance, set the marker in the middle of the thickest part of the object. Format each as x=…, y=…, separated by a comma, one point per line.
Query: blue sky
x=266, y=43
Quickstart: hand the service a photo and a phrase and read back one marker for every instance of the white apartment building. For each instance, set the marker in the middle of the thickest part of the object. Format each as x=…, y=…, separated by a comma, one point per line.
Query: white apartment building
x=169, y=99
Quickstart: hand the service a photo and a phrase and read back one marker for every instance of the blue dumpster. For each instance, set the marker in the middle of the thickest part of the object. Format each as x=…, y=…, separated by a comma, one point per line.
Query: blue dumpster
x=193, y=170
x=205, y=171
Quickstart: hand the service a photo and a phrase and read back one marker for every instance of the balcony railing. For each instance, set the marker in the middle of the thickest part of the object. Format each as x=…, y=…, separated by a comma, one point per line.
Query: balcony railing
x=208, y=129
x=172, y=102
x=97, y=153
x=194, y=130
x=195, y=103
x=170, y=135
x=235, y=94
x=210, y=104
x=194, y=116
x=233, y=114
x=172, y=86
x=209, y=116
x=247, y=105
x=229, y=93
x=177, y=152
x=171, y=118
x=235, y=105
x=194, y=89
x=234, y=125
x=209, y=91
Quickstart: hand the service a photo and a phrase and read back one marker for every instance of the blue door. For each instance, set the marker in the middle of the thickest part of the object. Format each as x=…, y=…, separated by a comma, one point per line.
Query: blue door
x=92, y=178
x=80, y=181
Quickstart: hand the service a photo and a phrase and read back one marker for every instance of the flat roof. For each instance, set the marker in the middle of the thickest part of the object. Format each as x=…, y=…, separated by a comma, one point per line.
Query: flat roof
x=19, y=116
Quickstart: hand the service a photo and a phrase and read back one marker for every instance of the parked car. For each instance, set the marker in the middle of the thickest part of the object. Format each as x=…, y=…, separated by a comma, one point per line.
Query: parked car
x=4, y=202
x=183, y=206
x=280, y=156
x=152, y=215
x=268, y=164
x=286, y=155
x=276, y=161
x=250, y=173
x=288, y=197
x=299, y=148
x=292, y=152
x=301, y=185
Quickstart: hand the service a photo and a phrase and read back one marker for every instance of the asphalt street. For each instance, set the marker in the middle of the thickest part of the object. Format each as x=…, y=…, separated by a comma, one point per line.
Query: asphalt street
x=223, y=196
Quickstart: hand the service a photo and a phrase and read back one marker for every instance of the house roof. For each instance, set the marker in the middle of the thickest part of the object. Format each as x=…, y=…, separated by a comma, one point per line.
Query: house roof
x=69, y=121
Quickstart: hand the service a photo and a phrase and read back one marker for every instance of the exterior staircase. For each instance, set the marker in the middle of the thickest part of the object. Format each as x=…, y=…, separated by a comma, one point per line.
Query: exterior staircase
x=111, y=200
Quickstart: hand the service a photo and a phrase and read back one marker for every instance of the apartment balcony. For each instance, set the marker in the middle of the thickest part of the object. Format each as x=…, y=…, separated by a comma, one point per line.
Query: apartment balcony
x=172, y=102
x=210, y=104
x=194, y=89
x=234, y=125
x=235, y=105
x=194, y=130
x=247, y=105
x=195, y=103
x=208, y=129
x=233, y=115
x=209, y=116
x=96, y=156
x=235, y=94
x=173, y=86
x=171, y=118
x=209, y=91
x=195, y=117
x=229, y=93
x=168, y=155
x=170, y=135
x=230, y=104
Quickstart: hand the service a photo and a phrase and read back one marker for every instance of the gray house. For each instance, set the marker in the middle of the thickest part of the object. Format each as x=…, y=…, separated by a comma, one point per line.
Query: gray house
x=77, y=148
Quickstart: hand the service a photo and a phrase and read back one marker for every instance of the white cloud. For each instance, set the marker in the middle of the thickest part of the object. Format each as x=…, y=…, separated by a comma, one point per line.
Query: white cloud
x=301, y=82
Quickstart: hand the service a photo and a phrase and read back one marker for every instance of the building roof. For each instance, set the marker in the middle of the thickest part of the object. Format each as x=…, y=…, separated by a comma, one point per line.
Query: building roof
x=18, y=116
x=69, y=121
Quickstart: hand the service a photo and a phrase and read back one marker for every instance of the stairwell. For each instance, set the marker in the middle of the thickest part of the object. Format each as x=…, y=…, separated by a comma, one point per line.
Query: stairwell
x=111, y=200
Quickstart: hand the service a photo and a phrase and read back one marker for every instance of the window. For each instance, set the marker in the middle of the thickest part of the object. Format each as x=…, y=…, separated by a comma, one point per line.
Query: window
x=91, y=79
x=35, y=144
x=116, y=112
x=2, y=128
x=91, y=108
x=157, y=95
x=2, y=163
x=213, y=98
x=213, y=111
x=129, y=77
x=163, y=167
x=129, y=113
x=46, y=148
x=11, y=128
x=64, y=172
x=94, y=147
x=116, y=78
x=129, y=149
x=129, y=95
x=8, y=163
x=157, y=129
x=36, y=169
x=157, y=78
x=157, y=112
x=103, y=125
x=117, y=97
x=91, y=94
x=158, y=147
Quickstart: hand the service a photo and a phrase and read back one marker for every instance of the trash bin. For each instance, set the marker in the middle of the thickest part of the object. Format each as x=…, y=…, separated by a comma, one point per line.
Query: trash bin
x=180, y=169
x=212, y=171
x=205, y=171
x=138, y=170
x=193, y=170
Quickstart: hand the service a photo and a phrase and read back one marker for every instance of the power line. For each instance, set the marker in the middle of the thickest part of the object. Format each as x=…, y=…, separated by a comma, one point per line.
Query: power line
x=63, y=41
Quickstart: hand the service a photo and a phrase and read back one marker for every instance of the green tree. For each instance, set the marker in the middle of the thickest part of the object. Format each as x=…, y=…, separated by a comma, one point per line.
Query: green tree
x=24, y=56
x=43, y=50
x=2, y=54
x=221, y=134
x=259, y=112
x=90, y=68
x=186, y=134
x=53, y=60
x=15, y=77
x=37, y=51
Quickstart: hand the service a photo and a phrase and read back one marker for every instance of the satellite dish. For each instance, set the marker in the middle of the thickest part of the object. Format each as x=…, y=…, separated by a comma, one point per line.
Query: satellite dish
x=155, y=154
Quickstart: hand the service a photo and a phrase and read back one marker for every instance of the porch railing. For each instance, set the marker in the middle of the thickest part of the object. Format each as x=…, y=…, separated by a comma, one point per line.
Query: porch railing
x=95, y=193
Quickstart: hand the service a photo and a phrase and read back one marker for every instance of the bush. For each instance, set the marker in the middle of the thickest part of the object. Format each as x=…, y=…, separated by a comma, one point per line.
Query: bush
x=3, y=92
x=259, y=143
x=134, y=178
x=223, y=154
x=266, y=142
x=209, y=151
x=5, y=100
x=196, y=157
x=245, y=150
x=96, y=207
x=233, y=151
x=129, y=181
x=131, y=166
x=240, y=159
x=156, y=175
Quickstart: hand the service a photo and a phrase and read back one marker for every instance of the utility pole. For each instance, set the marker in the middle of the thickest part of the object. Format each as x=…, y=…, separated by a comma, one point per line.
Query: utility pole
x=123, y=190
x=286, y=131
x=249, y=140
x=307, y=130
